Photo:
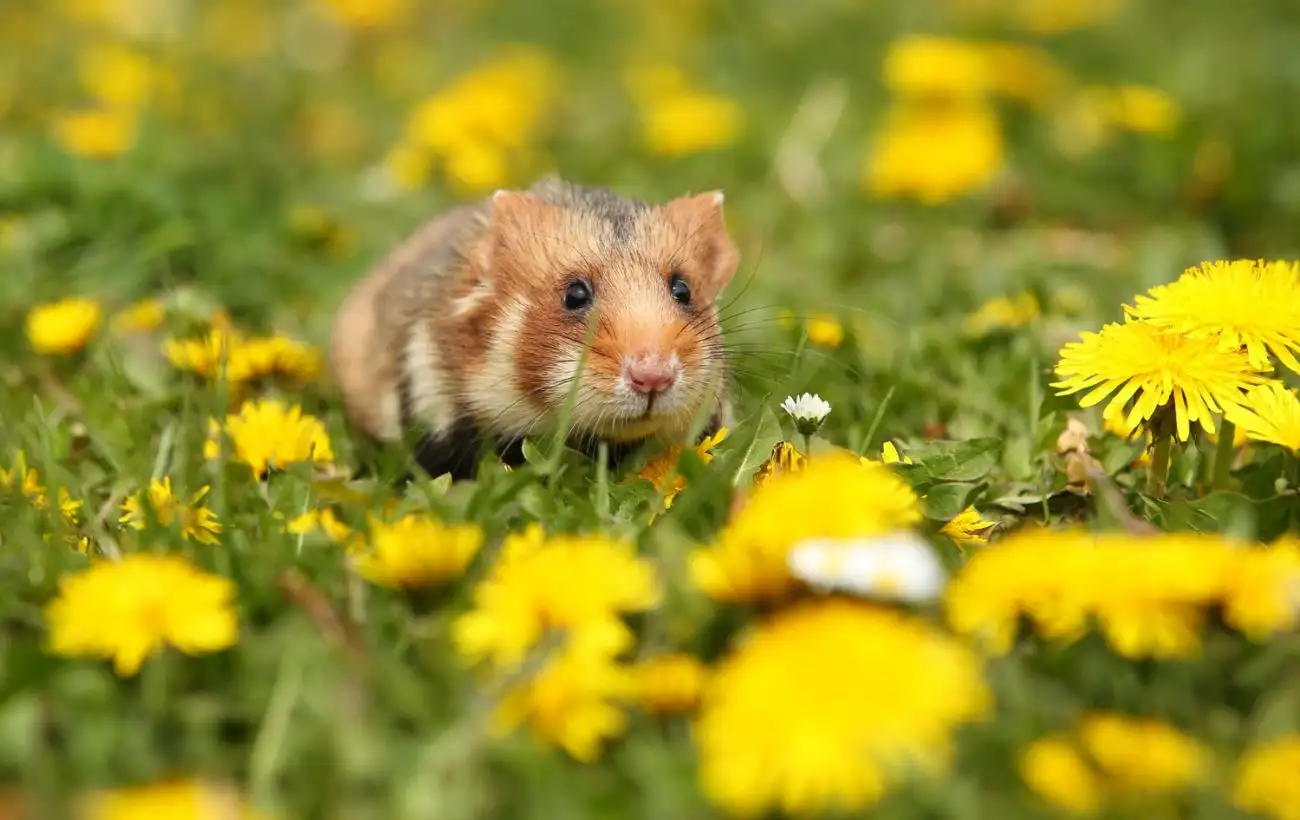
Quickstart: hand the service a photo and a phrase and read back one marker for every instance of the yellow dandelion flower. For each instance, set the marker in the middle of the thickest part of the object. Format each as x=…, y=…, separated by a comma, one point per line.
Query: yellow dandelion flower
x=324, y=520
x=1266, y=782
x=834, y=496
x=64, y=327
x=661, y=469
x=934, y=153
x=268, y=435
x=798, y=717
x=168, y=799
x=96, y=134
x=1025, y=73
x=889, y=454
x=1057, y=16
x=573, y=702
x=1141, y=755
x=197, y=521
x=1143, y=109
x=120, y=77
x=1001, y=313
x=824, y=331
x=417, y=551
x=1167, y=373
x=927, y=65
x=670, y=683
x=130, y=609
x=407, y=167
x=1270, y=412
x=678, y=118
x=1147, y=594
x=582, y=584
x=1259, y=600
x=144, y=316
x=1055, y=770
x=224, y=353
x=369, y=14
x=1243, y=303
x=24, y=479
x=785, y=458
x=968, y=529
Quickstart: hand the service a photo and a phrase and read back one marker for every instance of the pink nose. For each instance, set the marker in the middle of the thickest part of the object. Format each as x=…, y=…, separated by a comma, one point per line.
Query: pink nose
x=650, y=375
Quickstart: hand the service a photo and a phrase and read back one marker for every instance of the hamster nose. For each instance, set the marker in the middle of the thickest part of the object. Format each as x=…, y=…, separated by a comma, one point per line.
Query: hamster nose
x=649, y=374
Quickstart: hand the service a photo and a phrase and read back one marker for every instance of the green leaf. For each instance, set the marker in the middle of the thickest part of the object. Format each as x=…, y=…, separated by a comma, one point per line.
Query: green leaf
x=957, y=460
x=767, y=434
x=533, y=455
x=944, y=501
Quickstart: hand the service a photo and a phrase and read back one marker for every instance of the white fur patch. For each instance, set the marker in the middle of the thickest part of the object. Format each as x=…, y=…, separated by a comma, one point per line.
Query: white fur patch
x=493, y=392
x=390, y=416
x=470, y=301
x=424, y=373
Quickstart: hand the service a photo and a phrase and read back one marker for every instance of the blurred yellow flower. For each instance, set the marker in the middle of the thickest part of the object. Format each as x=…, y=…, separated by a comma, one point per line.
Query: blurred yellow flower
x=144, y=316
x=582, y=584
x=1177, y=379
x=482, y=121
x=24, y=479
x=324, y=520
x=313, y=224
x=64, y=327
x=1148, y=594
x=670, y=683
x=196, y=520
x=929, y=65
x=417, y=551
x=572, y=702
x=101, y=134
x=1055, y=770
x=798, y=717
x=834, y=496
x=1259, y=600
x=1001, y=313
x=660, y=469
x=131, y=608
x=1143, y=109
x=1142, y=755
x=1266, y=782
x=228, y=354
x=121, y=78
x=168, y=800
x=934, y=153
x=1025, y=73
x=369, y=14
x=825, y=331
x=1242, y=303
x=267, y=434
x=968, y=529
x=678, y=117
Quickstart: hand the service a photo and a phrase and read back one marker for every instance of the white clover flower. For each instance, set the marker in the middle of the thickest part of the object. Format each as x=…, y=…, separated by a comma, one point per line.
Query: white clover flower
x=899, y=566
x=808, y=411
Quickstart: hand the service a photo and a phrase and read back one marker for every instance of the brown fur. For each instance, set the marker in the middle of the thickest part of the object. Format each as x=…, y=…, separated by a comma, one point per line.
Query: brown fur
x=484, y=285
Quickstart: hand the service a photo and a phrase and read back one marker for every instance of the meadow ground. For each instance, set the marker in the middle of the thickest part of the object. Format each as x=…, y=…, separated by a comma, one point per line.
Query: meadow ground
x=961, y=595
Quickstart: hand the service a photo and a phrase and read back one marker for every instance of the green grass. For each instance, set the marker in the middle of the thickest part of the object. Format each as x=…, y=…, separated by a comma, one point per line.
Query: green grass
x=384, y=722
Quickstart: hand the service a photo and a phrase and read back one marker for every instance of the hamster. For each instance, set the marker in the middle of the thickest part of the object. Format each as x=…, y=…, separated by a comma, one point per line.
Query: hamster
x=471, y=331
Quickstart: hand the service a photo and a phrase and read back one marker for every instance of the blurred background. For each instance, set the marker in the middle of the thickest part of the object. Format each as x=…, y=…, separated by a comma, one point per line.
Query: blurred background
x=893, y=158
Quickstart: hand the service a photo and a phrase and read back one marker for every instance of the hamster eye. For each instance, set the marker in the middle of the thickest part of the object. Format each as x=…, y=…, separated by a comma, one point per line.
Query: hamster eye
x=680, y=291
x=577, y=295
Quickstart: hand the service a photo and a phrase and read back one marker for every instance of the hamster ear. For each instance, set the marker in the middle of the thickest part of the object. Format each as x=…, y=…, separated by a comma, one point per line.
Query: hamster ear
x=509, y=217
x=700, y=219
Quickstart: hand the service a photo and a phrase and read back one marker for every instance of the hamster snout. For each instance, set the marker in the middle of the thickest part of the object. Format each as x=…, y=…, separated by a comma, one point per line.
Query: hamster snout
x=650, y=373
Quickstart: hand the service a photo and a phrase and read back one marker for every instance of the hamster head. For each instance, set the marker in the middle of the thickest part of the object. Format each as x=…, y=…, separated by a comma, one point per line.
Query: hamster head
x=632, y=286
